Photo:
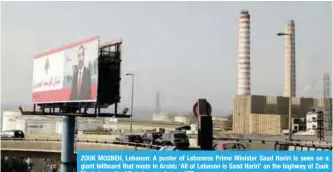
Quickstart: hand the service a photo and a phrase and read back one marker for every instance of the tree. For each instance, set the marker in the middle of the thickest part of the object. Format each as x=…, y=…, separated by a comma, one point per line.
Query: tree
x=15, y=165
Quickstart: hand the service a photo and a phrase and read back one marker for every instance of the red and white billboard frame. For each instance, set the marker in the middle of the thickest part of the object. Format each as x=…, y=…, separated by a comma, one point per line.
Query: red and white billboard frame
x=56, y=71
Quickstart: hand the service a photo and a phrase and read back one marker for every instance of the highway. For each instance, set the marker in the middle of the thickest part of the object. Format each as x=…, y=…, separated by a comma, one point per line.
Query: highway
x=79, y=136
x=47, y=148
x=49, y=145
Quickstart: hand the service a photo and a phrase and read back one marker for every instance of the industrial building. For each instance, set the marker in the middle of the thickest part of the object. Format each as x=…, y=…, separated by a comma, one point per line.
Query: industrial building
x=269, y=114
x=312, y=122
x=221, y=124
x=13, y=120
x=139, y=125
x=172, y=117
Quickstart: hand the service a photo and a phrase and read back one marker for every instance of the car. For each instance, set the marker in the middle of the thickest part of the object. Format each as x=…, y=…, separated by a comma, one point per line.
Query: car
x=129, y=138
x=151, y=137
x=228, y=145
x=166, y=148
x=175, y=138
x=12, y=134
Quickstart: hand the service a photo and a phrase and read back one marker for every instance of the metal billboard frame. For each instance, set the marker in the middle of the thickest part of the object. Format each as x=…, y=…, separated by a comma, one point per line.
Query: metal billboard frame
x=80, y=108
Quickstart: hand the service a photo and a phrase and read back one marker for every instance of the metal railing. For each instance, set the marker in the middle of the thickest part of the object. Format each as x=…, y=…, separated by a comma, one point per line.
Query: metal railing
x=134, y=144
x=296, y=143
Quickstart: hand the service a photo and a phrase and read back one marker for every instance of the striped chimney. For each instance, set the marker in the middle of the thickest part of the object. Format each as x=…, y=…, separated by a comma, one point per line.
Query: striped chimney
x=244, y=69
x=289, y=61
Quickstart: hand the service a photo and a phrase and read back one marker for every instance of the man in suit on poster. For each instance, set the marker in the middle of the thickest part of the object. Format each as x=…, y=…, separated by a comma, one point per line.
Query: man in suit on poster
x=81, y=85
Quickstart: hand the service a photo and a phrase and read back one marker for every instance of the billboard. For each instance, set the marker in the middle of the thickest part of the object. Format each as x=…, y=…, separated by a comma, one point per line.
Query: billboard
x=67, y=74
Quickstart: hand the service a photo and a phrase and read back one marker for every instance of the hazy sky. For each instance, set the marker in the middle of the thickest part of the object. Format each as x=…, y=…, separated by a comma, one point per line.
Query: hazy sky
x=185, y=50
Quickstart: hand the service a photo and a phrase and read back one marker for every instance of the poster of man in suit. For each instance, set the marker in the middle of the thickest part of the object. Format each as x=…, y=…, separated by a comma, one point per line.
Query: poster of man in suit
x=67, y=74
x=81, y=83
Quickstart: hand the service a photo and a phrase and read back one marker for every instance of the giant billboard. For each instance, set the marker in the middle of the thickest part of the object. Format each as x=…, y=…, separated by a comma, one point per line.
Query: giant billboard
x=67, y=74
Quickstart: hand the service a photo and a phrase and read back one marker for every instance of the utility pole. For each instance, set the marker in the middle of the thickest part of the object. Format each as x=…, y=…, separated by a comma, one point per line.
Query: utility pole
x=132, y=100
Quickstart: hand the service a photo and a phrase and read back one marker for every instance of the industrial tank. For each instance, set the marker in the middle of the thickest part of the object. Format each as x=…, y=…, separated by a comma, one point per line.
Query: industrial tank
x=82, y=125
x=8, y=123
x=49, y=127
x=110, y=123
x=59, y=127
x=9, y=120
x=164, y=116
x=21, y=125
x=11, y=113
x=94, y=123
x=183, y=119
x=41, y=126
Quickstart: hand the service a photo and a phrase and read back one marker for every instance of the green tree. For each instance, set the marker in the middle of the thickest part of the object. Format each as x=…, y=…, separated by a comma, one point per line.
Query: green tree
x=15, y=165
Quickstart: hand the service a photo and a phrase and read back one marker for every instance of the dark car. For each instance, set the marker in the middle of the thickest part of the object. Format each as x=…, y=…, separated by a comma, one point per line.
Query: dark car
x=129, y=139
x=151, y=137
x=175, y=138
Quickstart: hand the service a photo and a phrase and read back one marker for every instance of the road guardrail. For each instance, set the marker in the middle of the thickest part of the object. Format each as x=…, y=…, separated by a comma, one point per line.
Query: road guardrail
x=312, y=144
x=134, y=144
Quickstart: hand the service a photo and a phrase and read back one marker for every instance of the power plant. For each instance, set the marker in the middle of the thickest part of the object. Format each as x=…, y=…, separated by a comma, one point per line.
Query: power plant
x=269, y=114
x=290, y=61
x=244, y=64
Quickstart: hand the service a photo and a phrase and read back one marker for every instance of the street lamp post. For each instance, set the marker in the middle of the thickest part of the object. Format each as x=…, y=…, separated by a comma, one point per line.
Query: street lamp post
x=132, y=100
x=290, y=91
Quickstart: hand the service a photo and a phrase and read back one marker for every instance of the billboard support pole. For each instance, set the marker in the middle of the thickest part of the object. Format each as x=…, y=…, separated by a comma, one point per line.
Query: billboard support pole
x=68, y=161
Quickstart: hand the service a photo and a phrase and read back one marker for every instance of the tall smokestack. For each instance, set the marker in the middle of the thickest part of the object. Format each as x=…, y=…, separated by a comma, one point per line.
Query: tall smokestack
x=327, y=86
x=157, y=103
x=290, y=61
x=244, y=69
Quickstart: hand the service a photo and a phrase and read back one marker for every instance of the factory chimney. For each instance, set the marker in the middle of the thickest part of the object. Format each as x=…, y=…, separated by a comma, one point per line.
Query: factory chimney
x=290, y=61
x=244, y=69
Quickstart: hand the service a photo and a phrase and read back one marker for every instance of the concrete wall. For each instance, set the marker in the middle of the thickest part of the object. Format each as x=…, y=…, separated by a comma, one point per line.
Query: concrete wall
x=241, y=111
x=267, y=124
x=269, y=114
x=139, y=125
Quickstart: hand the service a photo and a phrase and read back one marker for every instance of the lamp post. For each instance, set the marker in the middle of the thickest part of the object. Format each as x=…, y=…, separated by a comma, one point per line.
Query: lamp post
x=132, y=98
x=290, y=87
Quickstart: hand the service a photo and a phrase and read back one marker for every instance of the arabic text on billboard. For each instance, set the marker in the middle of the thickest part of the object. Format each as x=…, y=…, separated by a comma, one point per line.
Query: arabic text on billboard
x=67, y=74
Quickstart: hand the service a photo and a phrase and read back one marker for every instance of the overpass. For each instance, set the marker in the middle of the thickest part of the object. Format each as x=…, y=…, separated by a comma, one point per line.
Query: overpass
x=107, y=137
x=258, y=142
x=49, y=145
x=51, y=148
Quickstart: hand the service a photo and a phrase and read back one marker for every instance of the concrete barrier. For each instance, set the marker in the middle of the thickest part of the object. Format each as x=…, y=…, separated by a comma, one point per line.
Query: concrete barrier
x=193, y=141
x=56, y=146
x=79, y=136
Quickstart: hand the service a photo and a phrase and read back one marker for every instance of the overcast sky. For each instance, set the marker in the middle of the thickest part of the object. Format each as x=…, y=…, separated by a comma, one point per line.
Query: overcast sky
x=185, y=50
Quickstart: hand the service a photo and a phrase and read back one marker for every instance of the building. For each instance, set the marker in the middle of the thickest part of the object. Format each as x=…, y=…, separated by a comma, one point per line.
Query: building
x=13, y=120
x=269, y=114
x=312, y=122
x=220, y=123
x=186, y=119
x=164, y=116
x=139, y=125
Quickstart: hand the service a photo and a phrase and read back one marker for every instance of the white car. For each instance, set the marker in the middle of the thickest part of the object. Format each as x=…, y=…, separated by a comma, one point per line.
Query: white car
x=166, y=148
